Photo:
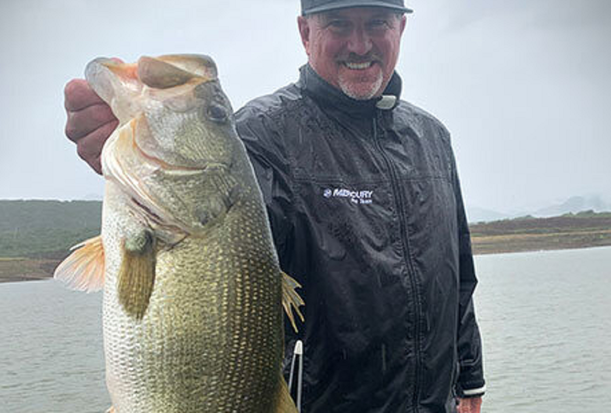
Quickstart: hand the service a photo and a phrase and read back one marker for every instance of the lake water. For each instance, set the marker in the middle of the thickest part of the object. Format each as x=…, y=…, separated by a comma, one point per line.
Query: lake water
x=546, y=324
x=545, y=319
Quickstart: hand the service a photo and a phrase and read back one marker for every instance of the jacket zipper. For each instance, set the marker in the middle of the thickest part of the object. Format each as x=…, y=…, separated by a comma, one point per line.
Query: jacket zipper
x=400, y=204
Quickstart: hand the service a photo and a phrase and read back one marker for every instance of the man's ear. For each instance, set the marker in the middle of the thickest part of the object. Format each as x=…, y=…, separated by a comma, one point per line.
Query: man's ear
x=403, y=23
x=304, y=31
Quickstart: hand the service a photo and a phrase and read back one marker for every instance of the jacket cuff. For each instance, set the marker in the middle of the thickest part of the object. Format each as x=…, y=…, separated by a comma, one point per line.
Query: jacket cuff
x=467, y=393
x=470, y=382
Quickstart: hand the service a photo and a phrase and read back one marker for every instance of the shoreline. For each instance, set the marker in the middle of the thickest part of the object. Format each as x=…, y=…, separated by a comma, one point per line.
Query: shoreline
x=27, y=269
x=12, y=270
x=507, y=252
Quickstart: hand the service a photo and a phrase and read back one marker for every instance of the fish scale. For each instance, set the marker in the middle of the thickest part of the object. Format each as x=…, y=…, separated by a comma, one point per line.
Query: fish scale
x=213, y=278
x=193, y=292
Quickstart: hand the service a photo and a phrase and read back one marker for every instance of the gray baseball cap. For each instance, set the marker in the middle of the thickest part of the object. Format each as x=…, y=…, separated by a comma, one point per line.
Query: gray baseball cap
x=318, y=6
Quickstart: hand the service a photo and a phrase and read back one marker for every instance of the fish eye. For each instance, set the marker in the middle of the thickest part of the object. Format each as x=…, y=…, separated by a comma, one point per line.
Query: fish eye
x=216, y=113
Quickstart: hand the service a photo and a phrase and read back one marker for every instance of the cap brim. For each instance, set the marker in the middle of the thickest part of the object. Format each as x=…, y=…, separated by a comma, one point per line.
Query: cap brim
x=351, y=3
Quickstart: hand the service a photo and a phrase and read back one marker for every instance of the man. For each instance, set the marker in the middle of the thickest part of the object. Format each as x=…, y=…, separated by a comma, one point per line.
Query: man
x=366, y=211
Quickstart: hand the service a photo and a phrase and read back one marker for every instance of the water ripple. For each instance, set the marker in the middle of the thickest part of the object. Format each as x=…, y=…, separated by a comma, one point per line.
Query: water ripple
x=544, y=319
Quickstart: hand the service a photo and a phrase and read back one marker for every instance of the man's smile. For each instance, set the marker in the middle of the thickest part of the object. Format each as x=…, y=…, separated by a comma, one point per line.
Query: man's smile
x=358, y=66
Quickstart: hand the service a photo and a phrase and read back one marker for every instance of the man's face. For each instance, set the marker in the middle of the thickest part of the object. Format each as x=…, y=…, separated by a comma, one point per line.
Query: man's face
x=354, y=49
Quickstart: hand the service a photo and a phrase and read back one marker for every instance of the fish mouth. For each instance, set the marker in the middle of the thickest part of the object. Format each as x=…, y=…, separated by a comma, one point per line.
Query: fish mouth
x=122, y=70
x=164, y=72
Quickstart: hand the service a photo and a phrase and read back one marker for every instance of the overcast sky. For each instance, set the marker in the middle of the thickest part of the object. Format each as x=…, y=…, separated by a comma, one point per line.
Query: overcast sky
x=524, y=85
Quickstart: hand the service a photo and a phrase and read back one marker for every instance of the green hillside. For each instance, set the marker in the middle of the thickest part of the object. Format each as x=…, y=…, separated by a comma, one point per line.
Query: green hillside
x=36, y=235
x=46, y=229
x=582, y=230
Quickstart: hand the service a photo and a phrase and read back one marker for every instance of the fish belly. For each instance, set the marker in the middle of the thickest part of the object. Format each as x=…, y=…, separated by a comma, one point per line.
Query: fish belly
x=211, y=338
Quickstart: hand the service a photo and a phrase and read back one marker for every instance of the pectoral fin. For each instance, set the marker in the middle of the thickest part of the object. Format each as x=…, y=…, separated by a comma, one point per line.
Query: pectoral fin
x=291, y=299
x=137, y=273
x=83, y=270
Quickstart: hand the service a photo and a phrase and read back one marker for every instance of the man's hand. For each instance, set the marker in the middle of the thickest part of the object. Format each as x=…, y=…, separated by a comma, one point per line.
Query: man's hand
x=470, y=405
x=90, y=121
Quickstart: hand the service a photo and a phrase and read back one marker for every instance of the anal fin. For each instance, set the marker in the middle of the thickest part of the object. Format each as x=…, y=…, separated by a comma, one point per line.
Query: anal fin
x=83, y=270
x=291, y=301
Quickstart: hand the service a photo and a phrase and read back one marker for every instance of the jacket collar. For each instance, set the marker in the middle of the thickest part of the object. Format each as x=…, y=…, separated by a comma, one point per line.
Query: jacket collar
x=329, y=96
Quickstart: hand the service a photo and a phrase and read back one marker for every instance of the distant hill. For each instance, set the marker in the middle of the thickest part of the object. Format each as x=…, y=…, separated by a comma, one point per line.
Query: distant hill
x=36, y=235
x=475, y=214
x=47, y=229
x=572, y=205
x=38, y=229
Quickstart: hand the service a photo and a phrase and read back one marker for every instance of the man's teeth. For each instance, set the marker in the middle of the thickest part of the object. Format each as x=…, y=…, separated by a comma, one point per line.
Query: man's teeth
x=358, y=66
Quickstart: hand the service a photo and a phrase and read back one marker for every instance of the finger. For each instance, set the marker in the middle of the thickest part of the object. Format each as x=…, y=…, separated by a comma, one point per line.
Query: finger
x=78, y=95
x=96, y=164
x=89, y=147
x=85, y=121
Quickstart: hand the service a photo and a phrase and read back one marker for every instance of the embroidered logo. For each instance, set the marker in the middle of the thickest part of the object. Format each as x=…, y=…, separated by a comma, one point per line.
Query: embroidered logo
x=357, y=197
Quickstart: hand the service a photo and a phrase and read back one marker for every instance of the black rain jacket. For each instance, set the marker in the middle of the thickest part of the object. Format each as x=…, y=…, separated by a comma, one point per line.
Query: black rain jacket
x=366, y=211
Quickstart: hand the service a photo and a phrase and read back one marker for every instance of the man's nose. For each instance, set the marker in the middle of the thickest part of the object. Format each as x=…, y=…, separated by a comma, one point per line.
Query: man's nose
x=359, y=42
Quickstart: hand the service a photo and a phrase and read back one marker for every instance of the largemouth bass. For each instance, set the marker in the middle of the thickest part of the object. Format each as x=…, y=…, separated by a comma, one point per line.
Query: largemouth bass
x=193, y=293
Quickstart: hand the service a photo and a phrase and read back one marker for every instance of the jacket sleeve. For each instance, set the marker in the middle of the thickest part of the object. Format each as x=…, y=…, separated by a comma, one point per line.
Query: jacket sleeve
x=263, y=141
x=471, y=381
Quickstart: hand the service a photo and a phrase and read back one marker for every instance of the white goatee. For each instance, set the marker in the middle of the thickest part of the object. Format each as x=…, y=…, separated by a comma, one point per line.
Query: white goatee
x=355, y=89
